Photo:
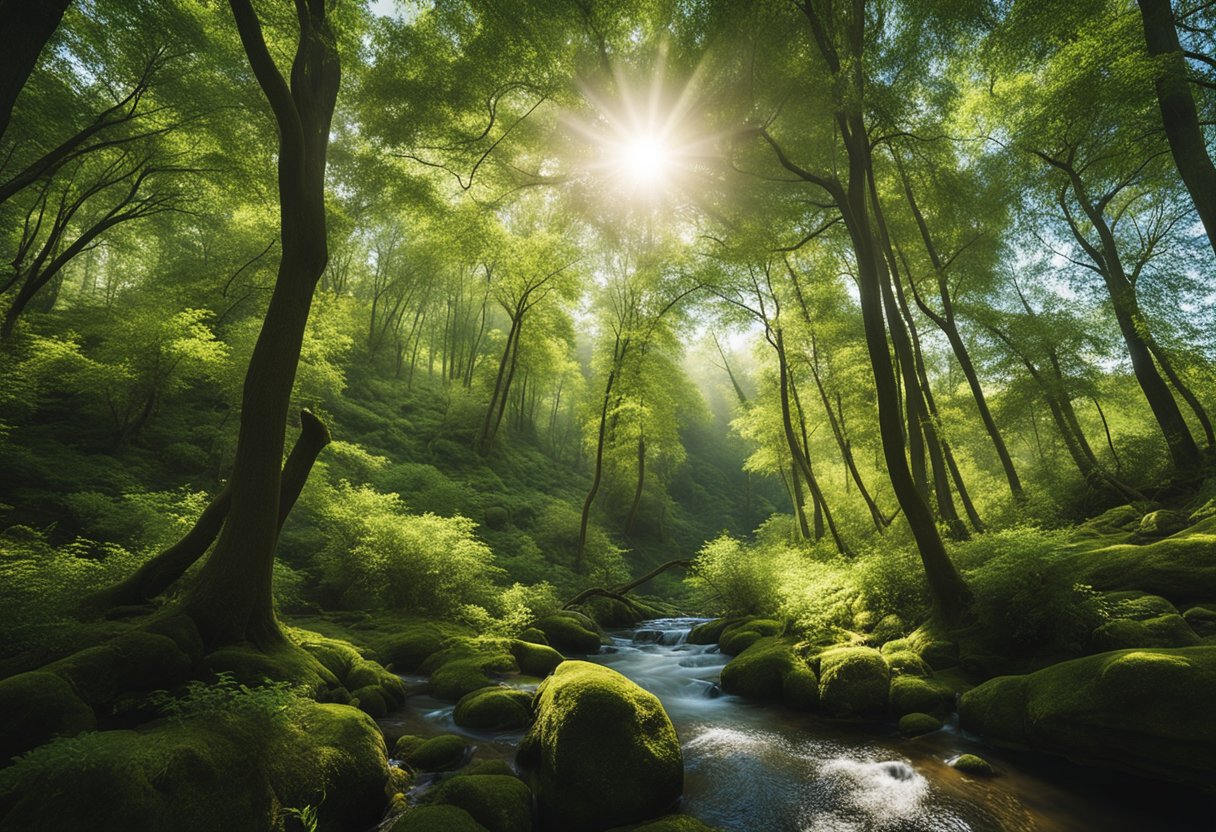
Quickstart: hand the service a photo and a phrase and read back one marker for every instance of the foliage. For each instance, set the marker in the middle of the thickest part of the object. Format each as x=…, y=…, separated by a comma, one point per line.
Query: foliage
x=377, y=554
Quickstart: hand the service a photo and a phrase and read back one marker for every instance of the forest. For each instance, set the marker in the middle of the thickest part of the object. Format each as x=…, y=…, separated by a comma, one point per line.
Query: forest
x=587, y=415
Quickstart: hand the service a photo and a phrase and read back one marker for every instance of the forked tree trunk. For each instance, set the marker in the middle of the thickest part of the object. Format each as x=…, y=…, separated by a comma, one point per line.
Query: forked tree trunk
x=159, y=573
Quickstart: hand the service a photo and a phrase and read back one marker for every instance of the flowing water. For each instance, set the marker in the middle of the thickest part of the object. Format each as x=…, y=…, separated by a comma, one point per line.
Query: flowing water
x=751, y=767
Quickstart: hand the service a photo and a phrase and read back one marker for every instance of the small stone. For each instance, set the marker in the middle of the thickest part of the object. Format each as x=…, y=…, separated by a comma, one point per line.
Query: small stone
x=972, y=764
x=915, y=724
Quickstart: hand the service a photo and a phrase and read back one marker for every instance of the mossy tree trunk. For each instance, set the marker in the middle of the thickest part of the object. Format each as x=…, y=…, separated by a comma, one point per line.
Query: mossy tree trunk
x=231, y=600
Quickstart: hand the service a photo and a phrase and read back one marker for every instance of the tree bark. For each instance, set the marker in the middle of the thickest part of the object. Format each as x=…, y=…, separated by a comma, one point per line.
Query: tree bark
x=1179, y=115
x=231, y=601
x=28, y=25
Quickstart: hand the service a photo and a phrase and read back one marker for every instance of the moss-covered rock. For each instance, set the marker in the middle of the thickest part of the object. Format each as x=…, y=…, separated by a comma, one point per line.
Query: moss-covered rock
x=37, y=706
x=537, y=660
x=446, y=752
x=888, y=628
x=1147, y=711
x=1202, y=619
x=443, y=818
x=1180, y=567
x=467, y=664
x=972, y=764
x=940, y=654
x=533, y=635
x=238, y=771
x=500, y=803
x=906, y=663
x=286, y=662
x=494, y=708
x=708, y=632
x=1162, y=631
x=602, y=751
x=735, y=638
x=1205, y=511
x=915, y=724
x=772, y=670
x=489, y=767
x=1161, y=523
x=570, y=632
x=853, y=682
x=912, y=694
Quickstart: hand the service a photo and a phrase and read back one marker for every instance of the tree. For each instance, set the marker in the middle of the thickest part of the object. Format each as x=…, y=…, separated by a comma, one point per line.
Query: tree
x=231, y=600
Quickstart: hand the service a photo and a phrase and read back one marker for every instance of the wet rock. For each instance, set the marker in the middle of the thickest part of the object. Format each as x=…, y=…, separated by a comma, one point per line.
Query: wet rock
x=915, y=724
x=853, y=682
x=972, y=764
x=494, y=708
x=602, y=752
x=500, y=803
x=570, y=632
x=1147, y=711
x=736, y=638
x=446, y=752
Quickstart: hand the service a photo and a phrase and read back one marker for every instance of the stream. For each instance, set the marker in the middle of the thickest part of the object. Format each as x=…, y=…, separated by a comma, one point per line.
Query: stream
x=753, y=767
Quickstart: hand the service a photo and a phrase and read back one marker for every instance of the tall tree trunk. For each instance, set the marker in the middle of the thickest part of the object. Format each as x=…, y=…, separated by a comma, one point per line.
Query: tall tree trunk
x=231, y=601
x=618, y=355
x=637, y=492
x=799, y=500
x=27, y=26
x=947, y=324
x=1179, y=114
x=1184, y=453
x=951, y=597
x=1167, y=367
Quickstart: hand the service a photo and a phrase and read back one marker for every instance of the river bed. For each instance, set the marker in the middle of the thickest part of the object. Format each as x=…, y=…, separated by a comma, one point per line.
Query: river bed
x=752, y=767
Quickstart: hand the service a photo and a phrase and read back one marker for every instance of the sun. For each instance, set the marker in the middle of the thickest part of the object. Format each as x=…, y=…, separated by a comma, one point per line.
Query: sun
x=639, y=141
x=645, y=161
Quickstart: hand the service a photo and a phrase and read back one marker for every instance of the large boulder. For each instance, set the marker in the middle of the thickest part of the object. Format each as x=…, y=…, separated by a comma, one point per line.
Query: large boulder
x=1180, y=567
x=854, y=682
x=602, y=752
x=1145, y=711
x=439, y=818
x=446, y=752
x=237, y=770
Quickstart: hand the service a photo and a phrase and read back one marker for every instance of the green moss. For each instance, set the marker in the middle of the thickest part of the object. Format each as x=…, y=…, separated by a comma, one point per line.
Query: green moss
x=437, y=819
x=1148, y=711
x=912, y=694
x=1179, y=568
x=446, y=752
x=736, y=638
x=1161, y=523
x=537, y=660
x=468, y=664
x=771, y=669
x=36, y=707
x=940, y=655
x=283, y=663
x=906, y=663
x=494, y=708
x=500, y=803
x=710, y=631
x=570, y=632
x=489, y=767
x=1202, y=619
x=230, y=772
x=1162, y=631
x=915, y=724
x=853, y=681
x=602, y=751
x=532, y=635
x=973, y=764
x=371, y=701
